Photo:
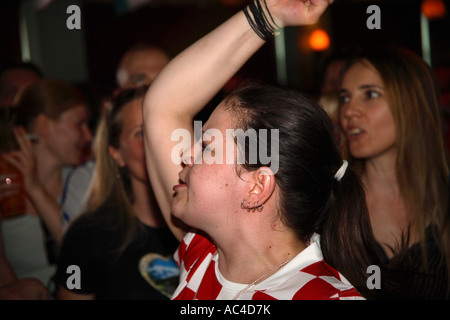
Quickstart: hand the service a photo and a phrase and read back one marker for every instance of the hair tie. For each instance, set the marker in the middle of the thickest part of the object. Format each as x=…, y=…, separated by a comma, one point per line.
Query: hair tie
x=340, y=173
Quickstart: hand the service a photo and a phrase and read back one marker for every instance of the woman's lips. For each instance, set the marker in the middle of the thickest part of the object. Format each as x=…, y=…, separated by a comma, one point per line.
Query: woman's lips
x=354, y=133
x=178, y=186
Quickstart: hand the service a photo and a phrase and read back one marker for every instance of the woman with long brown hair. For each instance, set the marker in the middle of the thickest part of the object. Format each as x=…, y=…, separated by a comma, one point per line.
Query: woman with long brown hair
x=393, y=138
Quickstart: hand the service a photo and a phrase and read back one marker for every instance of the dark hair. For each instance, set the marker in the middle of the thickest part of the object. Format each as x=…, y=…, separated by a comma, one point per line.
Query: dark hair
x=312, y=200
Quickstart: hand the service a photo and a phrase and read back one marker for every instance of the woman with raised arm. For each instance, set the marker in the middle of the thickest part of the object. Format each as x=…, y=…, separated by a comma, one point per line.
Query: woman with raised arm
x=293, y=228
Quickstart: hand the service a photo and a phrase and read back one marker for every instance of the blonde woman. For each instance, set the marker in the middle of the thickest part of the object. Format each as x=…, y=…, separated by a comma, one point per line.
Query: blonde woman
x=121, y=242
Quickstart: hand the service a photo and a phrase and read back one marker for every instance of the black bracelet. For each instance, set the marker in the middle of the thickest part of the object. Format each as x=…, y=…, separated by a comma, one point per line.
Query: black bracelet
x=271, y=18
x=259, y=22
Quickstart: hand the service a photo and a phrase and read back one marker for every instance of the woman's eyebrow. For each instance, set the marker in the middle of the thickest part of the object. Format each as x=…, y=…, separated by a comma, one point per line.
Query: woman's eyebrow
x=362, y=87
x=370, y=86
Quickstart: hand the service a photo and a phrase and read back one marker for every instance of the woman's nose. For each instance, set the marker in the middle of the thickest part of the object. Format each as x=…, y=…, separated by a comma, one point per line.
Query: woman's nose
x=187, y=158
x=351, y=109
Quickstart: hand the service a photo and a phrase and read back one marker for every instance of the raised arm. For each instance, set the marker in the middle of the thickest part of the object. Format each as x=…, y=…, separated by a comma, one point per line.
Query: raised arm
x=192, y=79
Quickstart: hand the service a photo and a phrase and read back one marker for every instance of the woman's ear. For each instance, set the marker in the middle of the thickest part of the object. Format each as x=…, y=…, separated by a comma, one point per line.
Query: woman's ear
x=117, y=156
x=262, y=186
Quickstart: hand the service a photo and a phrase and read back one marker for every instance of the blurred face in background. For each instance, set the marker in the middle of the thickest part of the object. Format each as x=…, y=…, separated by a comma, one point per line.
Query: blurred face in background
x=131, y=147
x=67, y=136
x=140, y=67
x=332, y=76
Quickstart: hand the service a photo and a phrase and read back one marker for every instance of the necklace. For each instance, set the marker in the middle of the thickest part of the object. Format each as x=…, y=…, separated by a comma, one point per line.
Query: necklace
x=263, y=277
x=254, y=283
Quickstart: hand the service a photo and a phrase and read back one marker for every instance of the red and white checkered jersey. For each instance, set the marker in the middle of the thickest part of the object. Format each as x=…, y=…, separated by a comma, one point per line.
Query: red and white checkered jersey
x=306, y=276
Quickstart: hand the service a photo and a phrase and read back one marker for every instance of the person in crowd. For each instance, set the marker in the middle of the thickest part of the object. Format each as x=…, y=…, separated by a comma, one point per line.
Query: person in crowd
x=392, y=136
x=15, y=77
x=329, y=96
x=120, y=243
x=51, y=132
x=293, y=227
x=139, y=66
x=332, y=71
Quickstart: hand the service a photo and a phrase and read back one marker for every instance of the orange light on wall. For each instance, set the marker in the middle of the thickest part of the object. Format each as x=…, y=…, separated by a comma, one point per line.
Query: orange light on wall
x=433, y=9
x=319, y=40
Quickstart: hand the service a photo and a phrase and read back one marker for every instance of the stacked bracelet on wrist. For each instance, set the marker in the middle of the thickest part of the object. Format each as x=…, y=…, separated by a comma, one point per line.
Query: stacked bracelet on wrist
x=259, y=22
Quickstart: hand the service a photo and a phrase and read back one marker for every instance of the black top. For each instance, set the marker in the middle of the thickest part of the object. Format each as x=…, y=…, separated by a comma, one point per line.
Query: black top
x=145, y=269
x=419, y=280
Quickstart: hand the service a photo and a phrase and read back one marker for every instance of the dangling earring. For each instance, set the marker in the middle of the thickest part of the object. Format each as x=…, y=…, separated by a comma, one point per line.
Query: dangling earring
x=259, y=208
x=248, y=205
x=243, y=207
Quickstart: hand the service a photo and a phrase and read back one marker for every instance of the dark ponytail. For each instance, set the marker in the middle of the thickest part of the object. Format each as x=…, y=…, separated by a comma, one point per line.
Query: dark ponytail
x=347, y=240
x=311, y=199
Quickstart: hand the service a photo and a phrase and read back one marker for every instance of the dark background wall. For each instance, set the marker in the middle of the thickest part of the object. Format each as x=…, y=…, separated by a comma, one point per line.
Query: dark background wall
x=89, y=56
